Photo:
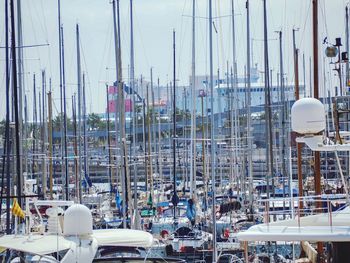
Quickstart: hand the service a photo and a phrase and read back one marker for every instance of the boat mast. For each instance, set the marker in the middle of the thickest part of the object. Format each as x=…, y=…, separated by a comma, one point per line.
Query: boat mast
x=115, y=87
x=268, y=114
x=160, y=160
x=304, y=75
x=63, y=105
x=283, y=120
x=65, y=119
x=299, y=145
x=86, y=164
x=61, y=87
x=135, y=224
x=249, y=120
x=317, y=161
x=109, y=142
x=7, y=123
x=347, y=65
x=50, y=143
x=144, y=134
x=347, y=43
x=20, y=83
x=79, y=152
x=118, y=98
x=233, y=96
x=125, y=175
x=75, y=149
x=15, y=94
x=175, y=198
x=212, y=119
x=310, y=79
x=316, y=92
x=193, y=113
x=152, y=130
x=44, y=135
x=184, y=135
x=149, y=159
x=35, y=122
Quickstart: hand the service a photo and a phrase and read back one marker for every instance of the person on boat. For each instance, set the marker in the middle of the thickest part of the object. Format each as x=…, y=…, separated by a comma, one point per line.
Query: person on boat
x=191, y=212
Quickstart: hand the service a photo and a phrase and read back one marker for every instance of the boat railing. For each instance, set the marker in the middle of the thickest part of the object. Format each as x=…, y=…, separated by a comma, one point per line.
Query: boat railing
x=49, y=203
x=306, y=206
x=231, y=258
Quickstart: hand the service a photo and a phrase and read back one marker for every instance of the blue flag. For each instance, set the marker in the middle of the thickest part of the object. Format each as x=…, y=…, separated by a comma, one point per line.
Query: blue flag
x=118, y=201
x=191, y=210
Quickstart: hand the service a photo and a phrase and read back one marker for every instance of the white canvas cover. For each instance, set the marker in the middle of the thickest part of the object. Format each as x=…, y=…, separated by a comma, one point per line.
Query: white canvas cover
x=35, y=244
x=310, y=228
x=123, y=237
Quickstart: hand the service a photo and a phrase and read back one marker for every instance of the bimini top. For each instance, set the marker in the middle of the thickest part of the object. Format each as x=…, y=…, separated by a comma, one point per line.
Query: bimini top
x=310, y=228
x=35, y=244
x=123, y=238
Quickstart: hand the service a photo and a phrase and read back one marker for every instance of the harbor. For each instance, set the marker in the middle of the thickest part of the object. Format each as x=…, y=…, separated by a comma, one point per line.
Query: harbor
x=175, y=131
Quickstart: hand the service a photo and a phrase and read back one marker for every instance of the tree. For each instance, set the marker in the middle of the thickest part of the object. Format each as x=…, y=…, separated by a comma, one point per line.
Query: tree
x=94, y=122
x=56, y=123
x=182, y=115
x=2, y=128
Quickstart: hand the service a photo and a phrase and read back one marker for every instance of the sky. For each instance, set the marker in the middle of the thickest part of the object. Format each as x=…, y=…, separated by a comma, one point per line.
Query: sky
x=154, y=21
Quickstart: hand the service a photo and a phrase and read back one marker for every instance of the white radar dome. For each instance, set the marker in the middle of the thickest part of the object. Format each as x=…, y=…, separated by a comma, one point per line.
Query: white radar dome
x=77, y=221
x=308, y=116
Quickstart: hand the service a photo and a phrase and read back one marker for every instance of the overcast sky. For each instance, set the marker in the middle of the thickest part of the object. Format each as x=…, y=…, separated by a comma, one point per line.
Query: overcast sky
x=153, y=25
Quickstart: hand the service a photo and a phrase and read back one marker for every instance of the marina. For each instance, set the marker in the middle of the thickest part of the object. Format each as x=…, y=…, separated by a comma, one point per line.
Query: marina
x=175, y=131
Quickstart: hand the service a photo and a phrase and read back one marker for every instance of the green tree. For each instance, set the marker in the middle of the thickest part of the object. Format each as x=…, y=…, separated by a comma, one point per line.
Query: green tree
x=94, y=122
x=56, y=123
x=2, y=128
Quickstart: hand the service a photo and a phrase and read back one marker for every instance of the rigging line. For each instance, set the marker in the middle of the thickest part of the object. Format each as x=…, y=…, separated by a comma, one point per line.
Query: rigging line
x=182, y=38
x=304, y=27
x=140, y=38
x=42, y=25
x=44, y=16
x=85, y=66
x=323, y=15
x=206, y=46
x=202, y=35
x=221, y=50
x=285, y=16
x=106, y=51
x=33, y=31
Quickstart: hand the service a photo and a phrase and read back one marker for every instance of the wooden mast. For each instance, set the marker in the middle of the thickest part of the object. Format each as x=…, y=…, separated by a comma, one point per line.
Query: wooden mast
x=316, y=92
x=317, y=163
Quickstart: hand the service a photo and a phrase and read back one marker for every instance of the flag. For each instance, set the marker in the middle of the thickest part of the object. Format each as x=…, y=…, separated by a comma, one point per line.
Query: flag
x=17, y=210
x=150, y=200
x=118, y=201
x=191, y=211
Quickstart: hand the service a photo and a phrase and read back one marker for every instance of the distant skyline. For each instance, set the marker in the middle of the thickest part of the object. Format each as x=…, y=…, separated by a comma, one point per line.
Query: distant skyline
x=153, y=26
